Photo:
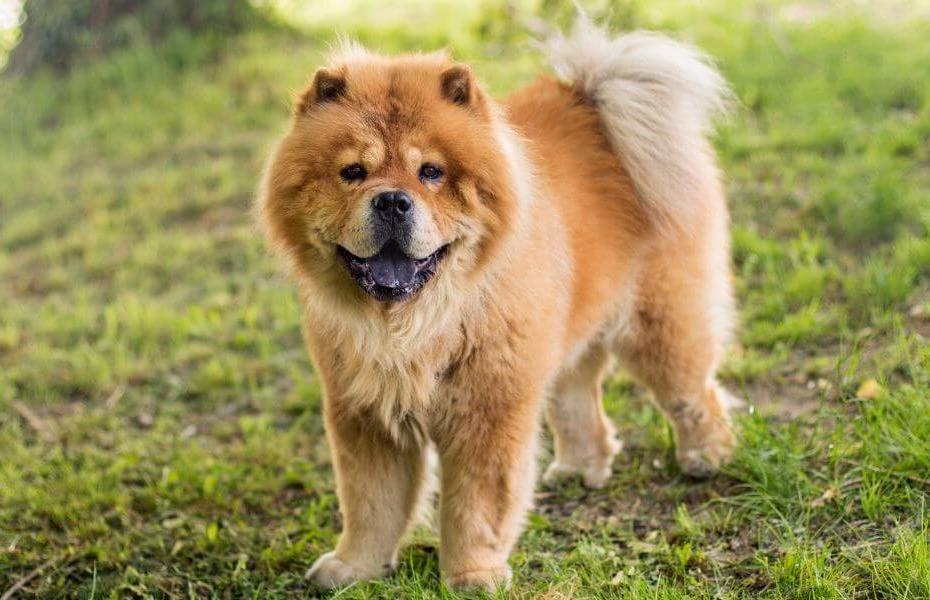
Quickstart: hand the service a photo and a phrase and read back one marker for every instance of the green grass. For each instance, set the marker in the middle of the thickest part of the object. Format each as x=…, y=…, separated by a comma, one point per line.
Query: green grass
x=159, y=420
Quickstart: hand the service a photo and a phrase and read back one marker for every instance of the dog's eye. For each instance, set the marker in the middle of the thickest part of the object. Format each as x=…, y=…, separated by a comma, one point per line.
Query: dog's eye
x=430, y=172
x=354, y=172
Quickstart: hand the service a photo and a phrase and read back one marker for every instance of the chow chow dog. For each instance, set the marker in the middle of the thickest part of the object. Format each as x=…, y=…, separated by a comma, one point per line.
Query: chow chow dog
x=466, y=265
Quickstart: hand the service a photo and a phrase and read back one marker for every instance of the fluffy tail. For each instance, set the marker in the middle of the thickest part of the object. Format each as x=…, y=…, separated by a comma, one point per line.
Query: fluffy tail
x=656, y=98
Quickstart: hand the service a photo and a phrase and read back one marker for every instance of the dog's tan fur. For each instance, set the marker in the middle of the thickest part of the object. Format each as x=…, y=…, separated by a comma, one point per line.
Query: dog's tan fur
x=559, y=259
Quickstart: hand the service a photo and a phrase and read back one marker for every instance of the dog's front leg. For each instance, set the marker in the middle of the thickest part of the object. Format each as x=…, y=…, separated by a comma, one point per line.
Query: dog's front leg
x=378, y=481
x=487, y=453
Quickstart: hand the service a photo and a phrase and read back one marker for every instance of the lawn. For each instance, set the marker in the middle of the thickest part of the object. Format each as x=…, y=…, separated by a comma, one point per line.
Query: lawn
x=160, y=430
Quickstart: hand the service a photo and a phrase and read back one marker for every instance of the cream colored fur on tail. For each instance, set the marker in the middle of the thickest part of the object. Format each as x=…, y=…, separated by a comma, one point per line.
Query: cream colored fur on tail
x=657, y=98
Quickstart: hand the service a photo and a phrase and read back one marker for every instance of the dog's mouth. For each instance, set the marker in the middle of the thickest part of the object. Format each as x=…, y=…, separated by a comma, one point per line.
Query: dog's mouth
x=390, y=275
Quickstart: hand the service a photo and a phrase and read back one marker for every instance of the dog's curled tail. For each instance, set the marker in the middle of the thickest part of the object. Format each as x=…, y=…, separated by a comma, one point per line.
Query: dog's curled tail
x=657, y=98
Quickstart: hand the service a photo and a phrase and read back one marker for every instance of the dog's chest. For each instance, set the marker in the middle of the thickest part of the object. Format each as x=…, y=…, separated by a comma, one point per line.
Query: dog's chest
x=397, y=389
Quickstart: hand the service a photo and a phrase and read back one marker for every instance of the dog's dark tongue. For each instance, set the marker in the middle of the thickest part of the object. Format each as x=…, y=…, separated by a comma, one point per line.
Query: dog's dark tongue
x=392, y=268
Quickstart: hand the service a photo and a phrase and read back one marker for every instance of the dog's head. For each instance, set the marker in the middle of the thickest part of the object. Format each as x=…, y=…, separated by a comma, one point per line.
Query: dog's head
x=396, y=173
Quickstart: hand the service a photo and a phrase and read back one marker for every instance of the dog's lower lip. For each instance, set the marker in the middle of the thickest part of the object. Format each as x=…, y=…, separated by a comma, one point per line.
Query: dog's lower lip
x=381, y=281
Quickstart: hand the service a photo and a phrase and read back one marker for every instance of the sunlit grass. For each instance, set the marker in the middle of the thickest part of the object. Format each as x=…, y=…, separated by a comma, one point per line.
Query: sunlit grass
x=159, y=420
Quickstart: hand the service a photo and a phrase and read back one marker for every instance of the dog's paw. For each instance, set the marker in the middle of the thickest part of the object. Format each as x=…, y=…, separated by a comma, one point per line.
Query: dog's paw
x=488, y=580
x=593, y=476
x=594, y=471
x=329, y=571
x=706, y=459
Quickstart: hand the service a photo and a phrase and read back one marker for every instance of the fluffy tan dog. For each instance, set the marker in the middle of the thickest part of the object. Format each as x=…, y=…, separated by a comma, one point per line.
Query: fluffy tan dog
x=465, y=262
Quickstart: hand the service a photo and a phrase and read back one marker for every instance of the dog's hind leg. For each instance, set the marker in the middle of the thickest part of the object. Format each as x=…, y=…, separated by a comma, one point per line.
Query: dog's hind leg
x=673, y=346
x=585, y=442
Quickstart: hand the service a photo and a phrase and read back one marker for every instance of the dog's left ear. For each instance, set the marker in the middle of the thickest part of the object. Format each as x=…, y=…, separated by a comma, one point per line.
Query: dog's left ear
x=458, y=85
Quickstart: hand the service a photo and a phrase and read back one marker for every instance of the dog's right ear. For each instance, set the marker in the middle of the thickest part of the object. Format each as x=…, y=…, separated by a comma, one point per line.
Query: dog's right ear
x=457, y=85
x=328, y=85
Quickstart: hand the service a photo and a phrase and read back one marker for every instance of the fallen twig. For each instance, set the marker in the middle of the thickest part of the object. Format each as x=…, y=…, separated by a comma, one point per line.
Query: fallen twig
x=29, y=577
x=33, y=420
x=114, y=398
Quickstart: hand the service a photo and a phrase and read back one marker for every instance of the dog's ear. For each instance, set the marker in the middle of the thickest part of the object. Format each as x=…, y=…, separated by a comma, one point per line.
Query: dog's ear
x=457, y=85
x=328, y=85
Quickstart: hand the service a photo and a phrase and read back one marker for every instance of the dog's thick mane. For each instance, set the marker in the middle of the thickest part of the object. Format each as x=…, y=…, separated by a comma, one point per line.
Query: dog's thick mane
x=388, y=352
x=657, y=98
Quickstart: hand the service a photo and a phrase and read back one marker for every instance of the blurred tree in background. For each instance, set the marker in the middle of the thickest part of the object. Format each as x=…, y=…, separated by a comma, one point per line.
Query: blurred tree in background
x=59, y=33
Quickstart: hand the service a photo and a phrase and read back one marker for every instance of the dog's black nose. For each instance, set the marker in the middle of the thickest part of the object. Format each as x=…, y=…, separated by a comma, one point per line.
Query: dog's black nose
x=393, y=203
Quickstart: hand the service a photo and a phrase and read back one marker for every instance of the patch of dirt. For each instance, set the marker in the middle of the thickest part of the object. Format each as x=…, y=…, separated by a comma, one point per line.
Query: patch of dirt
x=918, y=315
x=782, y=398
x=639, y=511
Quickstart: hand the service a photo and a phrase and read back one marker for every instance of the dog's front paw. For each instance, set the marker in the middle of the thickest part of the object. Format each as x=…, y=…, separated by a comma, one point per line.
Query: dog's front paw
x=488, y=580
x=329, y=571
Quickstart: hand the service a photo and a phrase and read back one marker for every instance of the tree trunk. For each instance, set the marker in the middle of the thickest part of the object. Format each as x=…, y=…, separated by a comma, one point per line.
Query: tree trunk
x=58, y=33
